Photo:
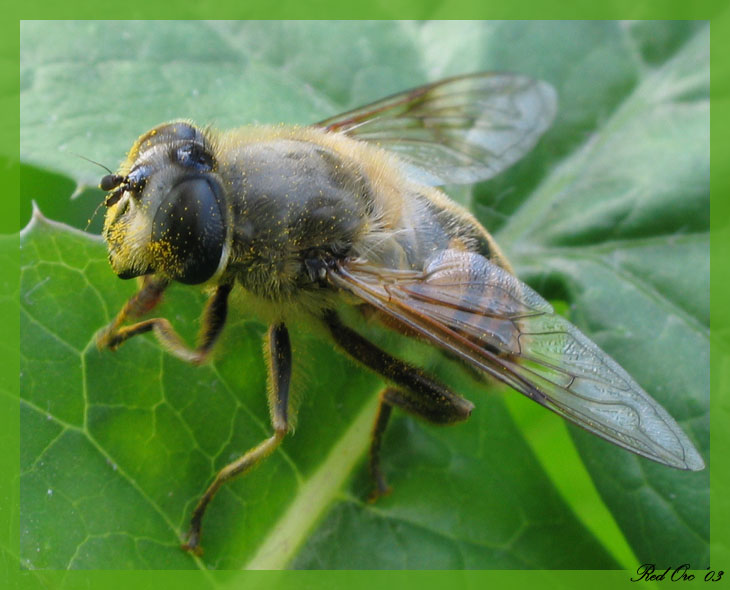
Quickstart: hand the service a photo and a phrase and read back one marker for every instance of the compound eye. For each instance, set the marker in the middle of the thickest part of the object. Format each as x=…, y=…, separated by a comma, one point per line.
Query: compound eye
x=195, y=157
x=168, y=132
x=190, y=230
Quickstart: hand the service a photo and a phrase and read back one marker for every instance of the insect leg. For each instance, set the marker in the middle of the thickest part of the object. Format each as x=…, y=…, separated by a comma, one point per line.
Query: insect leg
x=385, y=409
x=214, y=317
x=279, y=351
x=142, y=302
x=418, y=394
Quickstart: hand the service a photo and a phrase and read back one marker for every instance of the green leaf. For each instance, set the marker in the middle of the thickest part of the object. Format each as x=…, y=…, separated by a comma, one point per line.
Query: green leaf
x=621, y=229
x=610, y=214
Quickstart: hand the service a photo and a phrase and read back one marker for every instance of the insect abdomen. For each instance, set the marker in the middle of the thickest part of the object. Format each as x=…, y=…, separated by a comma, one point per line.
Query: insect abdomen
x=431, y=223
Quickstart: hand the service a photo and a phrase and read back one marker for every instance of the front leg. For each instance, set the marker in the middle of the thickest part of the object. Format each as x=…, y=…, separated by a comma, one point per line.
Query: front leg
x=279, y=362
x=139, y=304
x=149, y=295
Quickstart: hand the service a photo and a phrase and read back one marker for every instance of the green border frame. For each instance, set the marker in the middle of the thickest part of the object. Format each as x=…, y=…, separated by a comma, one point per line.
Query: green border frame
x=716, y=11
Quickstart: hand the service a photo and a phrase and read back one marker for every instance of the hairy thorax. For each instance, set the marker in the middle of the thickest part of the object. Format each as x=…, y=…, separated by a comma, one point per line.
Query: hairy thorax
x=298, y=195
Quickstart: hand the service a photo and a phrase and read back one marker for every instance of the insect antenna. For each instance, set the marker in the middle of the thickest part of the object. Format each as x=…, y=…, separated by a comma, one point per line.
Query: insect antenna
x=92, y=161
x=111, y=177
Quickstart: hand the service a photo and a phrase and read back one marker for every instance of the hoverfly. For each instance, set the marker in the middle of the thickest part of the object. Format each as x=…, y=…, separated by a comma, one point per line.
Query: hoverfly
x=345, y=213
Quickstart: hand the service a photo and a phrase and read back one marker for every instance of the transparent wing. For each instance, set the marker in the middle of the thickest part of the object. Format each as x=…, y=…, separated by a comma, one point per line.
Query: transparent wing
x=459, y=130
x=478, y=311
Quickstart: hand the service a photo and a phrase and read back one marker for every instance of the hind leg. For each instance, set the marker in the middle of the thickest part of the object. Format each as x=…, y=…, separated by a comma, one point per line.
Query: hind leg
x=416, y=392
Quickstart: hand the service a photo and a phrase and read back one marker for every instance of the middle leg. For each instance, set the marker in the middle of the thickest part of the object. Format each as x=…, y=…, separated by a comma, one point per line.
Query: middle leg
x=279, y=349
